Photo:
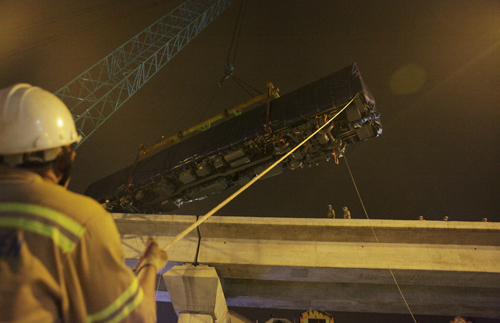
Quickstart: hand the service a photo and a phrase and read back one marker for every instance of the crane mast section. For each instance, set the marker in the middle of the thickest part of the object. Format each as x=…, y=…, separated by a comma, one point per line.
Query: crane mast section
x=97, y=93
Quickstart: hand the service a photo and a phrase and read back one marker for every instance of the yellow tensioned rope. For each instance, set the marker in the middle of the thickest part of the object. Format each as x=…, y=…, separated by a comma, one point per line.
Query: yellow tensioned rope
x=230, y=198
x=378, y=242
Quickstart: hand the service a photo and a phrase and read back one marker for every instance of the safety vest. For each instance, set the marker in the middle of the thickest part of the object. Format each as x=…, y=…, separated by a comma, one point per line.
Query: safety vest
x=65, y=233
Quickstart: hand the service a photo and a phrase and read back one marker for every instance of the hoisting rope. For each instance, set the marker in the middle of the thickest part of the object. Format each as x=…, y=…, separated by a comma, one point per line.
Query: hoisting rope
x=132, y=172
x=230, y=198
x=241, y=83
x=376, y=239
x=214, y=94
x=268, y=109
x=229, y=67
x=236, y=34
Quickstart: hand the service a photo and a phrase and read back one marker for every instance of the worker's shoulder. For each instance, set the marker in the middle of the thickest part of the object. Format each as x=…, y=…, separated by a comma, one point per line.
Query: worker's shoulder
x=84, y=208
x=78, y=207
x=20, y=186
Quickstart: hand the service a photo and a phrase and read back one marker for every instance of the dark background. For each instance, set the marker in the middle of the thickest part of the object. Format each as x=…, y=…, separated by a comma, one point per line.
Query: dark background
x=433, y=68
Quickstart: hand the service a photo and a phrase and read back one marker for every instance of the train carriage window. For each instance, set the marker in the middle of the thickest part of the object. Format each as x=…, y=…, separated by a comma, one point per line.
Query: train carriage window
x=316, y=321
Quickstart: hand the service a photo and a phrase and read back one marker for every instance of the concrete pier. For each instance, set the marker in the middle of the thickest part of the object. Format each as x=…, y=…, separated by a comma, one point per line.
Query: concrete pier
x=196, y=294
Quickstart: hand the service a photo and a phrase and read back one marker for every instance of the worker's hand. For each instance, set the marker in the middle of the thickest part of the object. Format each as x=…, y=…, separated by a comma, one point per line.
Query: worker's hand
x=152, y=256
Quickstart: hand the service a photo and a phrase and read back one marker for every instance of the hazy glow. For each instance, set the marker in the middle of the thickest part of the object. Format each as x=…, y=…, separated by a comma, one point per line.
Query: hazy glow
x=408, y=79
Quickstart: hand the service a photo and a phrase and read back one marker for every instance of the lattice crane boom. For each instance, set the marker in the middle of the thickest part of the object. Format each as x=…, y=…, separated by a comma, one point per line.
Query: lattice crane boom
x=97, y=93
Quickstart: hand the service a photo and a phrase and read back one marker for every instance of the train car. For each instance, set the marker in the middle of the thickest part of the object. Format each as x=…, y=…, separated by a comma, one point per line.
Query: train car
x=235, y=151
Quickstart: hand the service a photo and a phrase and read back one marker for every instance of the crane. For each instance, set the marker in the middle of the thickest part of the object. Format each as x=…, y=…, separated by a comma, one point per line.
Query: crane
x=94, y=95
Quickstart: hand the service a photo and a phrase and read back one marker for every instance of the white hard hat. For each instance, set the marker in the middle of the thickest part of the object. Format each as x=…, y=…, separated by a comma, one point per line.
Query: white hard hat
x=33, y=119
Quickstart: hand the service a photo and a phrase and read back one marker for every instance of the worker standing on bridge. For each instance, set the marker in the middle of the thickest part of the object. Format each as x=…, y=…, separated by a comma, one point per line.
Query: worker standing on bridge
x=60, y=254
x=331, y=212
x=347, y=213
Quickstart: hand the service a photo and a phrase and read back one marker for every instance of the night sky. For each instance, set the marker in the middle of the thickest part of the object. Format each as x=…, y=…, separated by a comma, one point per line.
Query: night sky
x=433, y=68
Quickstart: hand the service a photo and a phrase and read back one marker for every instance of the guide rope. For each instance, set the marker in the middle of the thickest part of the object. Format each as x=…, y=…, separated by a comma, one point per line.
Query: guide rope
x=376, y=239
x=230, y=198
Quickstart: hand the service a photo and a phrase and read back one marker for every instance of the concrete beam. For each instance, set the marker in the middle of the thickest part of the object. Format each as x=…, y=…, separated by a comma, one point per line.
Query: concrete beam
x=443, y=268
x=303, y=229
x=424, y=300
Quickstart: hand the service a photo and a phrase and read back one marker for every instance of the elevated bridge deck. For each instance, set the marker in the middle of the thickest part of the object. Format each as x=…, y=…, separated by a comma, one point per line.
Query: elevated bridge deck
x=442, y=267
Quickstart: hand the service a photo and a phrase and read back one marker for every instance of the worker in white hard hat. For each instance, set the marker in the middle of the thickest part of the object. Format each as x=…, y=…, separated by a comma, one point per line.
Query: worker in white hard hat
x=61, y=258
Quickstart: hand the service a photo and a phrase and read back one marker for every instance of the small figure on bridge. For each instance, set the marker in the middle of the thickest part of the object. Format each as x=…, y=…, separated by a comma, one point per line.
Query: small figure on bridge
x=445, y=218
x=347, y=213
x=421, y=218
x=459, y=319
x=485, y=220
x=331, y=212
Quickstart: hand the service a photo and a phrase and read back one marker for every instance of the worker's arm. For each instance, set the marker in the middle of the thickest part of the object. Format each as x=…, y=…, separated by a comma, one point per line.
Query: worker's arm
x=107, y=289
x=152, y=260
x=147, y=278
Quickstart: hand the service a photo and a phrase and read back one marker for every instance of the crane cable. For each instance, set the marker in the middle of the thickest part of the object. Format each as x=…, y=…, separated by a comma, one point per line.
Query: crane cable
x=230, y=198
x=376, y=239
x=241, y=83
x=231, y=54
x=236, y=34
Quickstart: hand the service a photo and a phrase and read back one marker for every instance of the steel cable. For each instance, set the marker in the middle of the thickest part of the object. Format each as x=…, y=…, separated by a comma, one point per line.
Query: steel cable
x=378, y=242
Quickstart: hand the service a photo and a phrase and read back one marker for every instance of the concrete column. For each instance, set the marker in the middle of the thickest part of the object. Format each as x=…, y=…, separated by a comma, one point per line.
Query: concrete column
x=196, y=294
x=195, y=318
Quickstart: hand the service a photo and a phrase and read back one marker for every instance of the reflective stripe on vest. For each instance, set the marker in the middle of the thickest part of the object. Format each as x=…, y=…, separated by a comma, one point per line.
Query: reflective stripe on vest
x=64, y=231
x=121, y=307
